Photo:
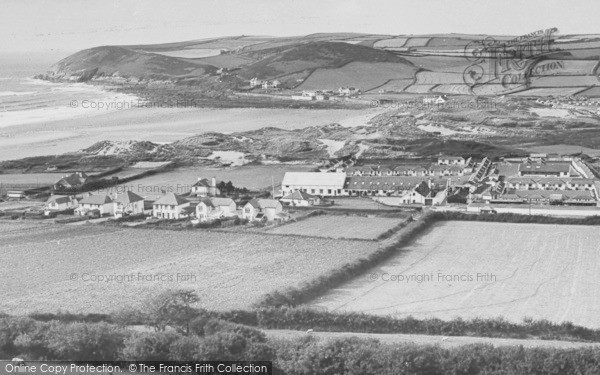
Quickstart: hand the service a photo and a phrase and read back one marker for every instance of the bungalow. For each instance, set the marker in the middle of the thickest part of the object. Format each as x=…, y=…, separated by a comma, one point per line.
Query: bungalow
x=128, y=203
x=556, y=169
x=102, y=203
x=73, y=181
x=347, y=91
x=56, y=203
x=170, y=206
x=214, y=208
x=425, y=194
x=451, y=160
x=300, y=198
x=262, y=209
x=316, y=183
x=434, y=100
x=203, y=187
x=16, y=194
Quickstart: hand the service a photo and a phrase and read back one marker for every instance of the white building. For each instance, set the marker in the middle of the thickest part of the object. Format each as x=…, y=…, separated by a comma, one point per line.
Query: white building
x=170, y=206
x=204, y=187
x=316, y=183
x=215, y=208
x=262, y=209
x=128, y=203
x=56, y=203
x=300, y=198
x=102, y=203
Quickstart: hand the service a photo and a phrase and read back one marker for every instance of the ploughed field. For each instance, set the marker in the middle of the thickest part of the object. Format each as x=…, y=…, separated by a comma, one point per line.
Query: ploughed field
x=89, y=268
x=339, y=226
x=485, y=270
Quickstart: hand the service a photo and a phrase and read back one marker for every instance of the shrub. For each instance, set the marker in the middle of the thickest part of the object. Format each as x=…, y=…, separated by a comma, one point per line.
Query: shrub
x=85, y=341
x=149, y=346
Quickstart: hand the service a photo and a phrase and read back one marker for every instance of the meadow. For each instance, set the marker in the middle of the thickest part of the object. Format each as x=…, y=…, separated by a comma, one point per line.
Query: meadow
x=94, y=269
x=180, y=180
x=340, y=226
x=483, y=270
x=364, y=76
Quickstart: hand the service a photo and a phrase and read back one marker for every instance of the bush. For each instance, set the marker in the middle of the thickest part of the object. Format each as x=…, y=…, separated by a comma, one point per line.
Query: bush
x=85, y=341
x=154, y=346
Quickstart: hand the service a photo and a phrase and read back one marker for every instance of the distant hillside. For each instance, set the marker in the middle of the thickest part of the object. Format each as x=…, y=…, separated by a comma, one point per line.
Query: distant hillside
x=122, y=62
x=422, y=64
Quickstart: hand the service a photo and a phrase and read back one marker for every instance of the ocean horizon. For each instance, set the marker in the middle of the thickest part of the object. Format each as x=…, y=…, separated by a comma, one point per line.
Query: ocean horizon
x=26, y=100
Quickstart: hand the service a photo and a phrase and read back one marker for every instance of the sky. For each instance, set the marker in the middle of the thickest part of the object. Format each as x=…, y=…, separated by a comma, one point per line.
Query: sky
x=72, y=25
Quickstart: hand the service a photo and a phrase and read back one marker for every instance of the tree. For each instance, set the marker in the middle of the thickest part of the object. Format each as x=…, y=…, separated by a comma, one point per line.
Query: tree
x=85, y=341
x=172, y=308
x=149, y=346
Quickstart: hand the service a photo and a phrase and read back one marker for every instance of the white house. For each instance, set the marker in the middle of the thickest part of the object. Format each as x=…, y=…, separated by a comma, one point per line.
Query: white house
x=316, y=183
x=170, y=206
x=128, y=203
x=101, y=202
x=434, y=100
x=260, y=209
x=214, y=208
x=256, y=82
x=56, y=203
x=345, y=91
x=203, y=187
x=300, y=198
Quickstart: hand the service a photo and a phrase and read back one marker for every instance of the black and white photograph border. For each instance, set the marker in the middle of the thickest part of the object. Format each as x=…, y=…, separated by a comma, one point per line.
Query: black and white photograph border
x=299, y=187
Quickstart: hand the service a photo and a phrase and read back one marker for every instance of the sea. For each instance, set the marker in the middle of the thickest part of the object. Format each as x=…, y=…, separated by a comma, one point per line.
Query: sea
x=25, y=100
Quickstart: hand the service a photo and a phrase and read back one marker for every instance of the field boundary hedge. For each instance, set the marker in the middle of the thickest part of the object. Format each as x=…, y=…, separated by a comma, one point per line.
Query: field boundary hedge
x=310, y=290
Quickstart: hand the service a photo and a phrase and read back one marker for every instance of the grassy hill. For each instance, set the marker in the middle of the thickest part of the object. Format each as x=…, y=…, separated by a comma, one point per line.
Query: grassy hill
x=421, y=64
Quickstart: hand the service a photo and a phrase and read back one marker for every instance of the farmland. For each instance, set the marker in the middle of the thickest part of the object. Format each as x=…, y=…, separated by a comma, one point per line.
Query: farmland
x=355, y=227
x=101, y=269
x=487, y=270
x=364, y=76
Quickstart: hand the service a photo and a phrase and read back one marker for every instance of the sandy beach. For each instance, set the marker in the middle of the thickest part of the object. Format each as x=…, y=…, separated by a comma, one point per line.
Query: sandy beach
x=51, y=137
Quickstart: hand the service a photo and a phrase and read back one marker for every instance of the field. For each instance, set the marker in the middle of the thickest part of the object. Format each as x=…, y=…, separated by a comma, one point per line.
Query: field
x=364, y=76
x=349, y=227
x=102, y=269
x=29, y=179
x=252, y=177
x=485, y=270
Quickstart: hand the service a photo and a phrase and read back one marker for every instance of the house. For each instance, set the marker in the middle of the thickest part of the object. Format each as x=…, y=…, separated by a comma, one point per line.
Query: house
x=426, y=193
x=170, y=206
x=254, y=82
x=348, y=91
x=101, y=203
x=128, y=203
x=262, y=209
x=316, y=183
x=15, y=194
x=300, y=198
x=56, y=203
x=270, y=85
x=73, y=181
x=203, y=187
x=214, y=208
x=434, y=100
x=550, y=169
x=451, y=160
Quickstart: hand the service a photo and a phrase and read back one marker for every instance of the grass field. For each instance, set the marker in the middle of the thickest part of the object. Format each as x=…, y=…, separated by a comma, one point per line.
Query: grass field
x=487, y=270
x=180, y=180
x=363, y=76
x=29, y=179
x=47, y=268
x=359, y=227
